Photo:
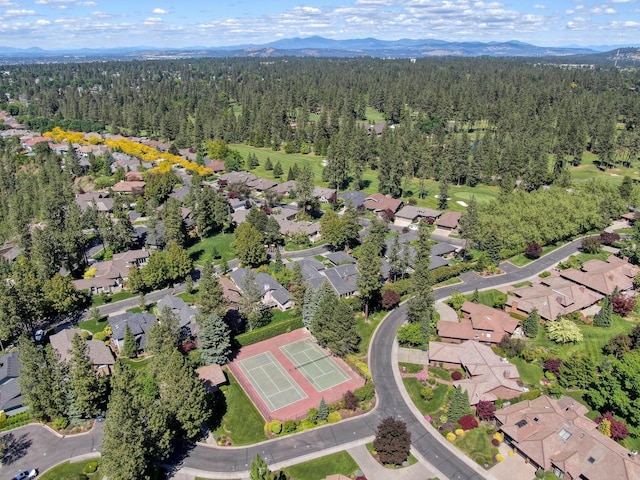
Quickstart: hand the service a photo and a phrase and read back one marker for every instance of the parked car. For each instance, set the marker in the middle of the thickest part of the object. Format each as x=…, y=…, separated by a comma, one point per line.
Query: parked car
x=33, y=473
x=39, y=335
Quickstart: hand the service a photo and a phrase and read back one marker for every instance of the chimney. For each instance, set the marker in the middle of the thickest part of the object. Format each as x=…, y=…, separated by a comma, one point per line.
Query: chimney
x=506, y=374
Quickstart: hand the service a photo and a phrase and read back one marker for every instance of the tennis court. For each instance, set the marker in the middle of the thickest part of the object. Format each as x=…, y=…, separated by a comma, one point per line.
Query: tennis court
x=315, y=364
x=271, y=380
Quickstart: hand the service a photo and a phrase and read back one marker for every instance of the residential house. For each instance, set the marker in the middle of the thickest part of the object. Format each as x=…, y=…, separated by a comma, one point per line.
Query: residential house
x=133, y=176
x=325, y=195
x=480, y=323
x=139, y=324
x=188, y=154
x=376, y=128
x=343, y=279
x=380, y=203
x=122, y=160
x=99, y=354
x=340, y=258
x=261, y=184
x=552, y=297
x=286, y=212
x=29, y=143
x=212, y=377
x=99, y=200
x=134, y=188
x=160, y=146
x=273, y=294
x=185, y=314
x=603, y=277
x=489, y=377
x=411, y=214
x=230, y=292
x=284, y=188
x=10, y=395
x=449, y=221
x=310, y=267
x=9, y=252
x=216, y=166
x=110, y=275
x=555, y=435
x=629, y=217
x=289, y=228
x=237, y=177
x=180, y=193
x=353, y=197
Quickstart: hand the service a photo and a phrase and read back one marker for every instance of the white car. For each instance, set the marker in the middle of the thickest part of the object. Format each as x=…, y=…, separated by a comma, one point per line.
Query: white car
x=38, y=335
x=413, y=226
x=33, y=473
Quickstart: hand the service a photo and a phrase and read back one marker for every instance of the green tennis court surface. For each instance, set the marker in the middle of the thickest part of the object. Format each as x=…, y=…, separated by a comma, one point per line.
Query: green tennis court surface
x=270, y=379
x=317, y=367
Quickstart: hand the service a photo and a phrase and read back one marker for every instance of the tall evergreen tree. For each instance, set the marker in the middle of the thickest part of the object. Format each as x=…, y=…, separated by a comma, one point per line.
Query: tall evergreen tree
x=369, y=263
x=214, y=340
x=211, y=294
x=531, y=323
x=421, y=305
x=84, y=384
x=129, y=344
x=334, y=325
x=459, y=405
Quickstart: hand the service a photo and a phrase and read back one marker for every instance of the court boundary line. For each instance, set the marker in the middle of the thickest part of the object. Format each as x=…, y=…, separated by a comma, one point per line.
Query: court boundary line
x=314, y=380
x=293, y=385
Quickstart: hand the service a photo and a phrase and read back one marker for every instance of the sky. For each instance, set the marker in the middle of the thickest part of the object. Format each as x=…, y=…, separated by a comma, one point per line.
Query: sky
x=73, y=24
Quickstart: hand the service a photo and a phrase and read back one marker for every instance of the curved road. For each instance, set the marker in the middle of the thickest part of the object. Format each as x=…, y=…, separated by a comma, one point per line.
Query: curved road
x=390, y=402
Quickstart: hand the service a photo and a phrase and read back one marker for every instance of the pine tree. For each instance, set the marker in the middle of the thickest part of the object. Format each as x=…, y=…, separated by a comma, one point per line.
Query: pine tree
x=323, y=411
x=368, y=280
x=443, y=196
x=459, y=405
x=268, y=165
x=531, y=323
x=334, y=325
x=83, y=382
x=421, y=305
x=214, y=340
x=392, y=442
x=211, y=293
x=297, y=288
x=475, y=298
x=259, y=469
x=277, y=170
x=291, y=174
x=603, y=317
x=129, y=344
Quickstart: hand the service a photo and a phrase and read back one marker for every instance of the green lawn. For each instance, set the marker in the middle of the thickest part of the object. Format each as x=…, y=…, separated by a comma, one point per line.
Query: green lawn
x=477, y=445
x=241, y=422
x=69, y=471
x=322, y=467
x=365, y=330
x=201, y=252
x=595, y=338
x=280, y=316
x=451, y=281
x=94, y=326
x=440, y=373
x=530, y=373
x=488, y=297
x=373, y=115
x=522, y=284
x=98, y=300
x=137, y=364
x=440, y=391
x=589, y=170
x=411, y=367
x=521, y=259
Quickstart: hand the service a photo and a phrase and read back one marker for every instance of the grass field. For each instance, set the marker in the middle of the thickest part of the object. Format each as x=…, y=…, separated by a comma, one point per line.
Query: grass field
x=201, y=252
x=521, y=259
x=137, y=364
x=322, y=467
x=476, y=444
x=530, y=373
x=71, y=471
x=98, y=300
x=411, y=367
x=241, y=422
x=365, y=330
x=595, y=338
x=94, y=326
x=440, y=391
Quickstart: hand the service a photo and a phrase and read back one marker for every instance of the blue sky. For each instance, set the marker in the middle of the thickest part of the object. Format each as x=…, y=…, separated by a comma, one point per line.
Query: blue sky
x=54, y=24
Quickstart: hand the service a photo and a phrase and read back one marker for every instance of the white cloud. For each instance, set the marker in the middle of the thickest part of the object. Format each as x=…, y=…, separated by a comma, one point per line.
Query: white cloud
x=160, y=11
x=42, y=21
x=12, y=13
x=539, y=7
x=87, y=4
x=152, y=21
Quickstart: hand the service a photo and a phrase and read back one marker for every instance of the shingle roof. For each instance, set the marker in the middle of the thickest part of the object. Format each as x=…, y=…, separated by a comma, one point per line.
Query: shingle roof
x=339, y=258
x=355, y=197
x=98, y=352
x=9, y=366
x=449, y=220
x=412, y=212
x=139, y=323
x=343, y=279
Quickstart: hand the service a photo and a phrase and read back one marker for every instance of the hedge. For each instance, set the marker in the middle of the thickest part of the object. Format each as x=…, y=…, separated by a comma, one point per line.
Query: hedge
x=441, y=274
x=269, y=331
x=15, y=421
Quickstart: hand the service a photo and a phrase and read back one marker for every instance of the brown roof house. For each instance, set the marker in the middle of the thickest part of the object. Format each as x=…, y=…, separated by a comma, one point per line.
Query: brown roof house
x=99, y=200
x=604, y=277
x=134, y=187
x=212, y=376
x=216, y=165
x=410, y=214
x=479, y=323
x=552, y=297
x=489, y=377
x=109, y=275
x=324, y=194
x=99, y=354
x=449, y=221
x=381, y=203
x=556, y=436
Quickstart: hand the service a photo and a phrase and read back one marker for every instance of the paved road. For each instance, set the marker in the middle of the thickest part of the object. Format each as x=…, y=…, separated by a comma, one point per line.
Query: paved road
x=34, y=446
x=34, y=442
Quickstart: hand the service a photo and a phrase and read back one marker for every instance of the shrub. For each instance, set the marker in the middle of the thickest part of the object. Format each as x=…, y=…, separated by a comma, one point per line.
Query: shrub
x=269, y=331
x=274, y=426
x=553, y=365
x=390, y=299
x=289, y=426
x=91, y=467
x=426, y=393
x=608, y=238
x=619, y=430
x=365, y=392
x=59, y=423
x=540, y=473
x=451, y=437
x=306, y=425
x=100, y=336
x=312, y=414
x=544, y=274
x=350, y=400
x=334, y=417
x=485, y=409
x=591, y=245
x=459, y=432
x=456, y=376
x=495, y=442
x=498, y=436
x=623, y=304
x=530, y=395
x=533, y=250
x=468, y=422
x=499, y=458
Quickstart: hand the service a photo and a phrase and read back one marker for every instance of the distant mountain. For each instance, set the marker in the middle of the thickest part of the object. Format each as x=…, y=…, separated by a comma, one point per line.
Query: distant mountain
x=314, y=47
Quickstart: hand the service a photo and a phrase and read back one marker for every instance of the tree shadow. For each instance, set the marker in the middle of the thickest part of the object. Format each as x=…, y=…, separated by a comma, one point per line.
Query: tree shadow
x=15, y=447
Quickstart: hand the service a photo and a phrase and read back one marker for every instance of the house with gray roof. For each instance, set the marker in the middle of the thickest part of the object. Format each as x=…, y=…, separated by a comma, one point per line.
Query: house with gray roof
x=99, y=354
x=10, y=395
x=185, y=314
x=340, y=258
x=99, y=200
x=273, y=294
x=139, y=324
x=343, y=279
x=354, y=197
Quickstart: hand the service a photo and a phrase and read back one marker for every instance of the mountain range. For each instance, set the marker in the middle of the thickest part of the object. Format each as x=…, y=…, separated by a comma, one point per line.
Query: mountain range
x=323, y=47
